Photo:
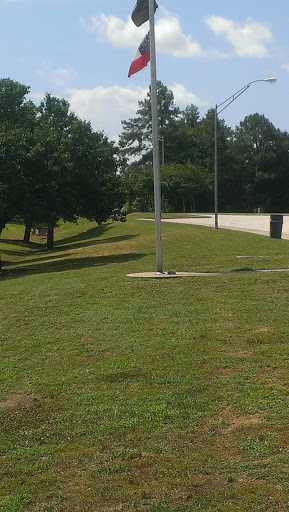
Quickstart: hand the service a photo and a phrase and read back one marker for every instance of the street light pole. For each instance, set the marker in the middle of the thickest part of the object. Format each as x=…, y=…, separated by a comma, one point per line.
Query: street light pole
x=225, y=104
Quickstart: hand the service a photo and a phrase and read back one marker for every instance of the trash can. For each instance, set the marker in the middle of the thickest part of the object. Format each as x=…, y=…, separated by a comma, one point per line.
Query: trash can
x=276, y=223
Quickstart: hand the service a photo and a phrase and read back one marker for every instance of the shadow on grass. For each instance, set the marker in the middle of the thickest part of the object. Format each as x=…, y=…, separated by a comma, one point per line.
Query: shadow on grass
x=243, y=269
x=69, y=264
x=35, y=258
x=85, y=239
x=34, y=246
x=54, y=253
x=45, y=258
x=15, y=253
x=81, y=244
x=95, y=232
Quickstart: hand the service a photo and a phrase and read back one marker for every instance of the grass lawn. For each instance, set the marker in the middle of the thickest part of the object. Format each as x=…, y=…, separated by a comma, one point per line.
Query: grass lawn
x=162, y=395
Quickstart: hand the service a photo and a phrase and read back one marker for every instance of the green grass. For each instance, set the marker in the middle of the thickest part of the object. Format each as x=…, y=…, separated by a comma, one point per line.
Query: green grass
x=143, y=395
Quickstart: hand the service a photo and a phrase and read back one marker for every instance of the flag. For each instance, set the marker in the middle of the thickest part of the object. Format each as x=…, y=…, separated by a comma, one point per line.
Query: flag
x=142, y=56
x=140, y=13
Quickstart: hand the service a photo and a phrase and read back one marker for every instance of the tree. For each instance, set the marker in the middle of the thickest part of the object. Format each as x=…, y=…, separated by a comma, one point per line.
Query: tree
x=136, y=137
x=181, y=137
x=13, y=102
x=47, y=178
x=13, y=147
x=262, y=162
x=15, y=116
x=278, y=189
x=191, y=116
x=138, y=184
x=12, y=155
x=205, y=137
x=182, y=185
x=95, y=182
x=71, y=170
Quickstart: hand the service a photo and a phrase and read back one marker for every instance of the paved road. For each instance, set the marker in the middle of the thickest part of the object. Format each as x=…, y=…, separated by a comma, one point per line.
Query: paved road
x=257, y=223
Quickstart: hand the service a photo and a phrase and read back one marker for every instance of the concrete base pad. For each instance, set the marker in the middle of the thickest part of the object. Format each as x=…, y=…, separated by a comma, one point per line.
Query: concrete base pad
x=171, y=274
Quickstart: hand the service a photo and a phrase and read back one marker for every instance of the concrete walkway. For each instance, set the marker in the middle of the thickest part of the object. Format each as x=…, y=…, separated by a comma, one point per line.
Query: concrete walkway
x=258, y=223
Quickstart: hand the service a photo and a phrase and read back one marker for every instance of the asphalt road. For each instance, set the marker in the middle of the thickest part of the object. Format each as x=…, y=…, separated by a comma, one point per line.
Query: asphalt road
x=257, y=223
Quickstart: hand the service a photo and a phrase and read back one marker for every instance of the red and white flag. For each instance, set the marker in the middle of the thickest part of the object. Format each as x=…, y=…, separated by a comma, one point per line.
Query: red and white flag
x=142, y=56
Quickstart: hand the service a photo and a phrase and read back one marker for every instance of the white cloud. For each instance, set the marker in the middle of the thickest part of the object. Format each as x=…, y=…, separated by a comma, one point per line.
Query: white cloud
x=37, y=97
x=118, y=32
x=170, y=38
x=106, y=107
x=183, y=97
x=57, y=76
x=250, y=40
x=61, y=76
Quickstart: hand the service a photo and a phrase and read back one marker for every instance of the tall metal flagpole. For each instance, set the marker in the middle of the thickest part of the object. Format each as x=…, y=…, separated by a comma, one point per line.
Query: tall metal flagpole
x=155, y=137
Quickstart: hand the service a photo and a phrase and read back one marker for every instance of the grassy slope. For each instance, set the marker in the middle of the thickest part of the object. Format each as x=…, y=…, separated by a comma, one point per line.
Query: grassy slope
x=143, y=395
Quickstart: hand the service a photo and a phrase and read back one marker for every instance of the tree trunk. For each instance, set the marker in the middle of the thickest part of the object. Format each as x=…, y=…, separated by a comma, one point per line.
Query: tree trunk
x=50, y=237
x=193, y=203
x=27, y=232
x=1, y=229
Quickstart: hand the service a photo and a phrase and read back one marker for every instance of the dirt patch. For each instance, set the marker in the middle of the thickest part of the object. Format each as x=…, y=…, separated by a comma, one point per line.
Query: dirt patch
x=19, y=401
x=240, y=353
x=235, y=422
x=226, y=373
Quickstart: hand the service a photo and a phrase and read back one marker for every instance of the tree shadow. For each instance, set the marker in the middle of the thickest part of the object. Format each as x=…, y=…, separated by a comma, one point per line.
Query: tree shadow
x=31, y=261
x=14, y=253
x=94, y=232
x=19, y=243
x=55, y=252
x=81, y=240
x=69, y=264
x=89, y=243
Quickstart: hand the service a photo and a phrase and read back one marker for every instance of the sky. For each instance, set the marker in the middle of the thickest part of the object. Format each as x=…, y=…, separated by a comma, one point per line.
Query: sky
x=206, y=50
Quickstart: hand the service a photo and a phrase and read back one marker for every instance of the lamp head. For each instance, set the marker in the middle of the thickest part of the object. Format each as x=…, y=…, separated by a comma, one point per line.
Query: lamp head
x=270, y=80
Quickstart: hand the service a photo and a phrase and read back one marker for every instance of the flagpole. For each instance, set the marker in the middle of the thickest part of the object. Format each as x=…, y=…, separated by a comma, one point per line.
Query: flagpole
x=155, y=139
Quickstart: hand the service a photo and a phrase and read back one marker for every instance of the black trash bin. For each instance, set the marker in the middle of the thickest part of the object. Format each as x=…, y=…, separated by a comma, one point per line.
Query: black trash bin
x=276, y=223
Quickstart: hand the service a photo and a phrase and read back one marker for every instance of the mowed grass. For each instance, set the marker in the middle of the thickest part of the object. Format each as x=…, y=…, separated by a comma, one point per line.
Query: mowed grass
x=143, y=395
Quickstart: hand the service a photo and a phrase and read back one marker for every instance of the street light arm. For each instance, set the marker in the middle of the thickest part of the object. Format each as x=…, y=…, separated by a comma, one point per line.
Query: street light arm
x=225, y=104
x=236, y=95
x=232, y=98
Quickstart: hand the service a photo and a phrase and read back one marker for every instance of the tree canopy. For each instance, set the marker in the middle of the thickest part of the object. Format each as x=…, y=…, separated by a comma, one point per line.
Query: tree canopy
x=253, y=159
x=52, y=164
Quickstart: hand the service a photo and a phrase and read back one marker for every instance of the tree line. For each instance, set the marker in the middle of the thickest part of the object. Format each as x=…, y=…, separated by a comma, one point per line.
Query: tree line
x=253, y=160
x=52, y=164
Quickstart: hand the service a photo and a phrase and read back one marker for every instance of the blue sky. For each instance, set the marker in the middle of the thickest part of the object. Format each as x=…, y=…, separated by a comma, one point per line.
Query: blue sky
x=81, y=50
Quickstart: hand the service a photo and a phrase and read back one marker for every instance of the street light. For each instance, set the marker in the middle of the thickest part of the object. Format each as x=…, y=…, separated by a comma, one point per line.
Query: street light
x=225, y=104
